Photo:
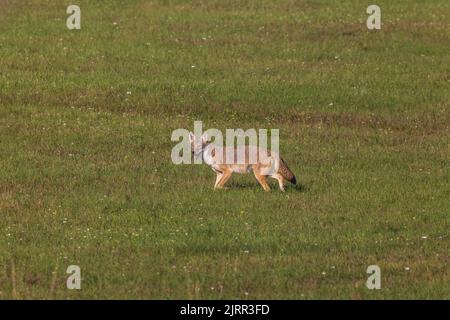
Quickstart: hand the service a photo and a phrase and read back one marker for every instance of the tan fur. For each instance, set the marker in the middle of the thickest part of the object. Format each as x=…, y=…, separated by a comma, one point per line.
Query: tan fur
x=225, y=170
x=261, y=179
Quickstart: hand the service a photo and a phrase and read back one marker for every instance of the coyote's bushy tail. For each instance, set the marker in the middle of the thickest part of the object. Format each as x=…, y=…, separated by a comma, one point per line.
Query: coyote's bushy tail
x=286, y=172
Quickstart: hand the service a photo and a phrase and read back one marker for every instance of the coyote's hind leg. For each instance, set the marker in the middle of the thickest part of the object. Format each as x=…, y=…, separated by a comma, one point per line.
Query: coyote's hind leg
x=280, y=180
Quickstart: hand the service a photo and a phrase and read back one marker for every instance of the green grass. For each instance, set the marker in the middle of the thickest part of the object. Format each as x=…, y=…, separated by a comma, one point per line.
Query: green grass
x=85, y=170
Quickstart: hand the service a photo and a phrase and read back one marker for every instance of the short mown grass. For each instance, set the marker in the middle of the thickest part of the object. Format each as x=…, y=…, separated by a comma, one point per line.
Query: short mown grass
x=86, y=177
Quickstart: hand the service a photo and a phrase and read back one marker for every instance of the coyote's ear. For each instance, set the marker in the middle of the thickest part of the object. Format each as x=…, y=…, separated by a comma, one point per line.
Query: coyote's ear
x=205, y=137
x=191, y=137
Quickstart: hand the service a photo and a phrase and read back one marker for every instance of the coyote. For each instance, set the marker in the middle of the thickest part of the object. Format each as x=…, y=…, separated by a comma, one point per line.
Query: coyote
x=267, y=164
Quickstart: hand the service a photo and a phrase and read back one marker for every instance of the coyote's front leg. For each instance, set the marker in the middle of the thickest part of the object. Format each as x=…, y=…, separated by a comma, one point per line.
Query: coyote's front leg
x=218, y=177
x=221, y=179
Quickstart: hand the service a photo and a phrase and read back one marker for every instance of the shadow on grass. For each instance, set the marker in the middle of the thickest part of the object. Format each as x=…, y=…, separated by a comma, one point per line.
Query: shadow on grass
x=273, y=186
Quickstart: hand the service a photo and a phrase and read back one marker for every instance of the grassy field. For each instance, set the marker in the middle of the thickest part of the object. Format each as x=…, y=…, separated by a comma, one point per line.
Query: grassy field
x=86, y=176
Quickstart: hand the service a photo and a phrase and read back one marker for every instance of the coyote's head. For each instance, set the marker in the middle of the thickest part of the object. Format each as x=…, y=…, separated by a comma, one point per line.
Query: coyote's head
x=198, y=144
